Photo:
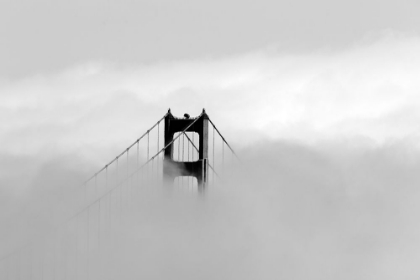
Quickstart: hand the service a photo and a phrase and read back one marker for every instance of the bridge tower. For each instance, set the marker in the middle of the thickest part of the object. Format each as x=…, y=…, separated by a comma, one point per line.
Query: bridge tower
x=174, y=168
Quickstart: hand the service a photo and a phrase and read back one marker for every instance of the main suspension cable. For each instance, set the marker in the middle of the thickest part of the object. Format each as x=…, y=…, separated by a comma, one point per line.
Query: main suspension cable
x=129, y=147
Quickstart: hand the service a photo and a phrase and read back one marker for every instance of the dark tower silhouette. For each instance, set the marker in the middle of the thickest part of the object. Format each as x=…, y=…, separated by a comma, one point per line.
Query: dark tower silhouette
x=198, y=168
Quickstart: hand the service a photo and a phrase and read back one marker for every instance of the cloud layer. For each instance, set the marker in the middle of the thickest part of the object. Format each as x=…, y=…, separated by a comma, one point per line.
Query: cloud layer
x=369, y=91
x=288, y=210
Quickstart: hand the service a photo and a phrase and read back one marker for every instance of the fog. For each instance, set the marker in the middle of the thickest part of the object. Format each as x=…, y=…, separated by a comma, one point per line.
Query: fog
x=331, y=211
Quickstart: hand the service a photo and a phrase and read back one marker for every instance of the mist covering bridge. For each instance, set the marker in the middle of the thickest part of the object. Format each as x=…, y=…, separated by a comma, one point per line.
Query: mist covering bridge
x=184, y=155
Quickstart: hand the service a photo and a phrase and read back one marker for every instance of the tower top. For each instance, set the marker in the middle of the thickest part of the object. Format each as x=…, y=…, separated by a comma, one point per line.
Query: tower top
x=203, y=114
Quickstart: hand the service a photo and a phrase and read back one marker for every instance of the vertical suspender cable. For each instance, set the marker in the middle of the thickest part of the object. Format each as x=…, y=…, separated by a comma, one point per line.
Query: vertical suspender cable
x=193, y=149
x=41, y=264
x=120, y=188
x=188, y=159
x=232, y=160
x=18, y=265
x=76, y=255
x=30, y=262
x=192, y=156
x=183, y=143
x=179, y=158
x=99, y=223
x=157, y=158
x=213, y=155
x=223, y=155
x=116, y=178
x=148, y=145
x=85, y=192
x=127, y=178
x=153, y=167
x=151, y=173
x=106, y=188
x=109, y=209
x=179, y=149
x=87, y=244
x=116, y=187
x=7, y=264
x=54, y=258
x=137, y=166
x=4, y=270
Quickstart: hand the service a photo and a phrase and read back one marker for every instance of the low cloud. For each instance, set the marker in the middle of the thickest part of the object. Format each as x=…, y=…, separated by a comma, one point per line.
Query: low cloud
x=368, y=91
x=290, y=210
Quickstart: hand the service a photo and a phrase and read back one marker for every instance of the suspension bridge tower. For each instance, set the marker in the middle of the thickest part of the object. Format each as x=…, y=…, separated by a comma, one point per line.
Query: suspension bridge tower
x=174, y=167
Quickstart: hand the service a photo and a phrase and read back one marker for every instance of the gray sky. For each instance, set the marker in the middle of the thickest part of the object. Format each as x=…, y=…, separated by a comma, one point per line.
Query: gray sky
x=46, y=36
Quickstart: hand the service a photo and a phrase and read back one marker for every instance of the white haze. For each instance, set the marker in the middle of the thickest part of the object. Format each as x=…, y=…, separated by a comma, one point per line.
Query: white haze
x=289, y=210
x=328, y=184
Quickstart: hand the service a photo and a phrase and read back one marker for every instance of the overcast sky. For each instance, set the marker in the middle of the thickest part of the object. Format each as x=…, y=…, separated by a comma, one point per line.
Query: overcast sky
x=49, y=36
x=324, y=94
